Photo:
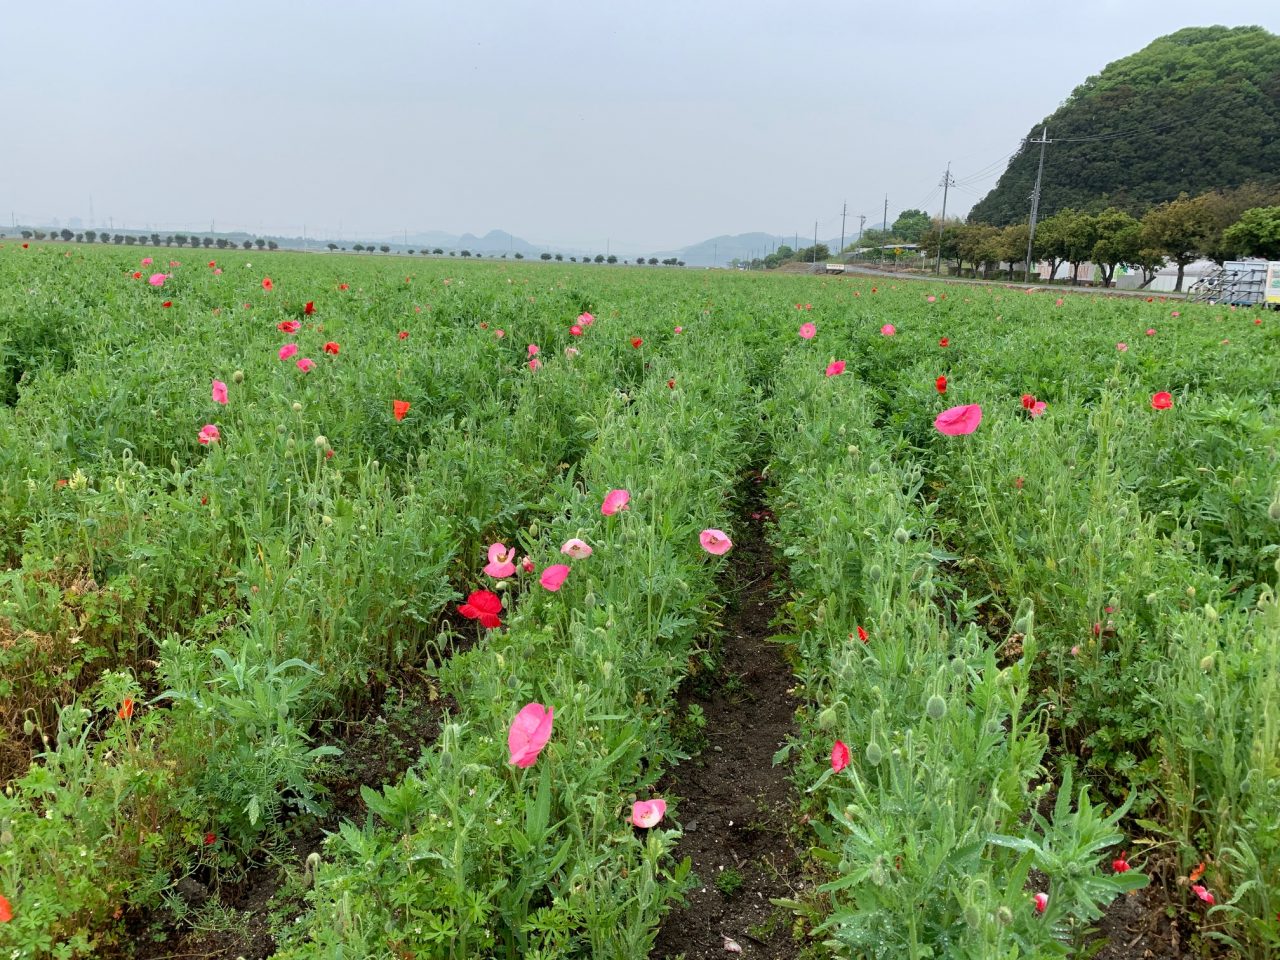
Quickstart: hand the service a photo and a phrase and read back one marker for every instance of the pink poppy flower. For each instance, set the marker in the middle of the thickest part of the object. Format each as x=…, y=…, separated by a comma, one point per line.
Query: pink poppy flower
x=577, y=549
x=1122, y=347
x=614, y=501
x=1036, y=408
x=267, y=284
x=287, y=351
x=499, y=333
x=679, y=329
x=570, y=352
x=146, y=261
x=1058, y=302
x=1202, y=893
x=1175, y=313
x=835, y=368
x=526, y=565
x=958, y=421
x=715, y=542
x=930, y=299
x=500, y=565
x=156, y=279
x=1151, y=331
x=1042, y=902
x=219, y=392
x=839, y=756
x=554, y=576
x=888, y=330
x=808, y=331
x=586, y=319
x=1162, y=400
x=529, y=733
x=575, y=330
x=648, y=813
x=217, y=271
x=306, y=364
x=209, y=434
x=535, y=364
x=533, y=349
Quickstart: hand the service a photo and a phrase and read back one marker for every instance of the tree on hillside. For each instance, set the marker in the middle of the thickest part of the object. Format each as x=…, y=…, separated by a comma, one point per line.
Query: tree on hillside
x=331, y=247
x=180, y=239
x=519, y=256
x=207, y=242
x=1176, y=229
x=130, y=240
x=1256, y=234
x=559, y=257
x=466, y=253
x=599, y=258
x=385, y=247
x=1224, y=208
x=1117, y=240
x=437, y=252
x=911, y=225
x=545, y=256
x=653, y=261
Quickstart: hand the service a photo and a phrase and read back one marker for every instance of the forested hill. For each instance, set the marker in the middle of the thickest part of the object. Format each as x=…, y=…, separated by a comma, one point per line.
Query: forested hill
x=1194, y=111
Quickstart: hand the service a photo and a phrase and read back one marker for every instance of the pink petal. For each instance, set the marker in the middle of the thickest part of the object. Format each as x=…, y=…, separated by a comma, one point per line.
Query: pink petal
x=715, y=542
x=958, y=421
x=287, y=351
x=219, y=392
x=576, y=548
x=835, y=368
x=808, y=331
x=888, y=330
x=529, y=733
x=614, y=501
x=648, y=813
x=553, y=577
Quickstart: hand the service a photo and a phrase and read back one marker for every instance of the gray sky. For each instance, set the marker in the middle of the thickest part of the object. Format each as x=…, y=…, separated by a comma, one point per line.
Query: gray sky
x=651, y=124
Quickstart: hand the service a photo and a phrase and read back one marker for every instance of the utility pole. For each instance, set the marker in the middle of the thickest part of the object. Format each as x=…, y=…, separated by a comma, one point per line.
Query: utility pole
x=815, y=243
x=946, y=185
x=862, y=219
x=1035, y=198
x=843, y=212
x=884, y=235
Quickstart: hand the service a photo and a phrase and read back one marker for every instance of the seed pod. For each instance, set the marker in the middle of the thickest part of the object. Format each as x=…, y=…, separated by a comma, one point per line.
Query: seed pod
x=238, y=377
x=297, y=407
x=874, y=753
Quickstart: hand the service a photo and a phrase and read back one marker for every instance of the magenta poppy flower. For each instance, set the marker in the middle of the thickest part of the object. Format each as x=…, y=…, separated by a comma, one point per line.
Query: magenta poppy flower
x=287, y=351
x=533, y=349
x=1175, y=313
x=957, y=421
x=501, y=561
x=219, y=392
x=209, y=434
x=554, y=576
x=648, y=813
x=577, y=549
x=839, y=756
x=529, y=733
x=1042, y=902
x=1122, y=347
x=888, y=330
x=306, y=364
x=156, y=279
x=715, y=542
x=575, y=330
x=535, y=364
x=614, y=501
x=1036, y=408
x=835, y=368
x=1202, y=893
x=679, y=329
x=146, y=261
x=808, y=331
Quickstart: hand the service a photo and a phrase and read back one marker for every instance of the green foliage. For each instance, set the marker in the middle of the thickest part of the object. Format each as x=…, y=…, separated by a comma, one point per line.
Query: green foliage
x=1257, y=234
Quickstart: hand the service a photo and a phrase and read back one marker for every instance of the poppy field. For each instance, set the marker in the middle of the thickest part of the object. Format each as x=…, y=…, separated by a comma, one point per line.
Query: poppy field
x=1027, y=556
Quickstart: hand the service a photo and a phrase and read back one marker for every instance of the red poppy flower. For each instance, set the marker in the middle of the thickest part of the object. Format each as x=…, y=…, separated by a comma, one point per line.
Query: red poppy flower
x=483, y=605
x=1028, y=401
x=6, y=911
x=839, y=756
x=213, y=263
x=344, y=286
x=126, y=709
x=944, y=342
x=167, y=303
x=1197, y=873
x=310, y=308
x=403, y=334
x=210, y=839
x=941, y=384
x=1162, y=401
x=1120, y=864
x=671, y=384
x=862, y=633
x=636, y=341
x=331, y=348
x=328, y=454
x=267, y=284
x=1017, y=482
x=26, y=246
x=137, y=274
x=289, y=326
x=400, y=408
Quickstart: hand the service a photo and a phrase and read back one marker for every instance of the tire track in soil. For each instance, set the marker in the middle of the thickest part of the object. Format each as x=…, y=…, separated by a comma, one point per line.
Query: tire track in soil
x=736, y=807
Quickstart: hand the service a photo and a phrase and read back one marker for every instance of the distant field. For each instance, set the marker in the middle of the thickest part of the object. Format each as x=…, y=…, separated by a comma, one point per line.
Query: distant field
x=236, y=634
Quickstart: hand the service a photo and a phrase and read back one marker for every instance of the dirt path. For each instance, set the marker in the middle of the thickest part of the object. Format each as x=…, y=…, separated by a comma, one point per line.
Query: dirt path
x=735, y=806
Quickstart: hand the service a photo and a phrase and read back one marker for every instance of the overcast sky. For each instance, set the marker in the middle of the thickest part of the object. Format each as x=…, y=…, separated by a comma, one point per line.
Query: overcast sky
x=648, y=124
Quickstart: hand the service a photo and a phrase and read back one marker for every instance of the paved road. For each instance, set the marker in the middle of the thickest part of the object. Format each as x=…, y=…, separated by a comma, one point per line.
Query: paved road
x=1111, y=291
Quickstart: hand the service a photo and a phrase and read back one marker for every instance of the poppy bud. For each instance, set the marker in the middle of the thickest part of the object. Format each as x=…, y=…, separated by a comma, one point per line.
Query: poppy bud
x=1084, y=530
x=852, y=450
x=958, y=666
x=1004, y=915
x=901, y=535
x=828, y=718
x=874, y=573
x=327, y=520
x=1206, y=663
x=936, y=708
x=873, y=467
x=297, y=407
x=280, y=429
x=1023, y=624
x=874, y=754
x=289, y=444
x=28, y=727
x=1273, y=511
x=1191, y=591
x=1210, y=614
x=321, y=442
x=589, y=600
x=237, y=377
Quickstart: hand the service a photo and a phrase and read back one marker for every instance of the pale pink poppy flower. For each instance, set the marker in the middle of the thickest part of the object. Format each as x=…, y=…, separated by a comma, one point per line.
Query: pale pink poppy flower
x=147, y=261
x=1122, y=347
x=535, y=364
x=931, y=299
x=957, y=421
x=1058, y=302
x=306, y=364
x=577, y=549
x=287, y=351
x=1151, y=331
x=614, y=501
x=586, y=319
x=1175, y=314
x=499, y=333
x=217, y=271
x=835, y=368
x=1200, y=891
x=1042, y=902
x=888, y=330
x=570, y=351
x=679, y=329
x=174, y=263
x=156, y=279
x=209, y=434
x=1075, y=651
x=808, y=331
x=219, y=392
x=1036, y=408
x=715, y=542
x=529, y=733
x=533, y=349
x=554, y=576
x=526, y=564
x=648, y=813
x=500, y=565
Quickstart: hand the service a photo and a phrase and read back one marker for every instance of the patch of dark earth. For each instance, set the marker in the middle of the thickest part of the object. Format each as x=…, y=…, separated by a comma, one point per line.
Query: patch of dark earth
x=227, y=920
x=736, y=806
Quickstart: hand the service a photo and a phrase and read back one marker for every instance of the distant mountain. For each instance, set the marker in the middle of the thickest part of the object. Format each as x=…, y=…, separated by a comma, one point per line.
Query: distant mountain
x=495, y=241
x=719, y=251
